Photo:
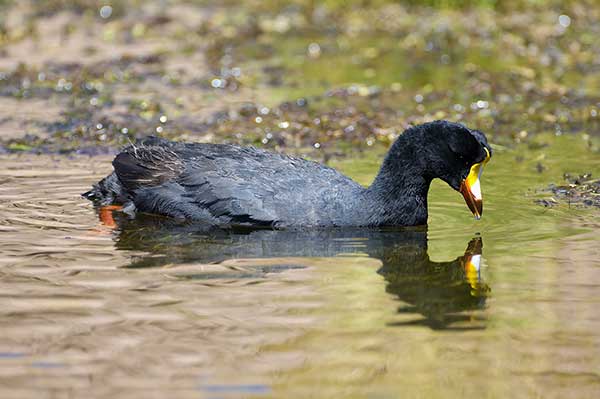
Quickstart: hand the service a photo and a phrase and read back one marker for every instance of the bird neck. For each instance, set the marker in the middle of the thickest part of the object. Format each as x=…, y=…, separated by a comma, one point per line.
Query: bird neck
x=400, y=189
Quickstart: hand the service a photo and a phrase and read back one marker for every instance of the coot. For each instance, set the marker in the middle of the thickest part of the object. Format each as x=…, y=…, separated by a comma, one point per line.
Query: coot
x=229, y=186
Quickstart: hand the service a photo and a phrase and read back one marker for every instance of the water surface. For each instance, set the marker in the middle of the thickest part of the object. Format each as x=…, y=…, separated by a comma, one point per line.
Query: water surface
x=154, y=308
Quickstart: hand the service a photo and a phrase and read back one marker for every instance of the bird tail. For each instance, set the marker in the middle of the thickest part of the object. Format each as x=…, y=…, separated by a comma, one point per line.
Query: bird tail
x=148, y=162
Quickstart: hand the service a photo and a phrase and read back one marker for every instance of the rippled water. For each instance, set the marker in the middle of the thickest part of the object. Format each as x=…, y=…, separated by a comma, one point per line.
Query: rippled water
x=153, y=308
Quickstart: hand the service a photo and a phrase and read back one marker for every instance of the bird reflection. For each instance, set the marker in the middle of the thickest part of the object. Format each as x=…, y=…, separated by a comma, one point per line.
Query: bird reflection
x=443, y=294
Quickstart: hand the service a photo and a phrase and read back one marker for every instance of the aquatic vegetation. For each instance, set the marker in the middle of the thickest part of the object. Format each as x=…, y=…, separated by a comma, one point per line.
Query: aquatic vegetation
x=580, y=190
x=315, y=79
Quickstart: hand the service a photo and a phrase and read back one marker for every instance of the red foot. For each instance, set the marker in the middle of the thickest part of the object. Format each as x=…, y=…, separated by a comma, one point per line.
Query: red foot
x=106, y=215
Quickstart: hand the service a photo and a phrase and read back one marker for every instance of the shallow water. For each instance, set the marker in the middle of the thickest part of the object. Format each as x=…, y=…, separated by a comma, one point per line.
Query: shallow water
x=152, y=308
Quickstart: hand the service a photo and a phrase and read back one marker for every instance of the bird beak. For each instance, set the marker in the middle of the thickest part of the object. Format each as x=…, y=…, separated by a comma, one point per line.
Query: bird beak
x=470, y=187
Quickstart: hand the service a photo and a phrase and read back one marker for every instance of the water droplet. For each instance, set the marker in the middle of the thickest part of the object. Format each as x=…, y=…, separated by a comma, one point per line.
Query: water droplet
x=258, y=119
x=564, y=21
x=159, y=129
x=163, y=119
x=419, y=98
x=362, y=90
x=218, y=83
x=317, y=145
x=106, y=11
x=523, y=134
x=94, y=101
x=60, y=84
x=396, y=86
x=124, y=130
x=314, y=50
x=99, y=126
x=264, y=111
x=284, y=125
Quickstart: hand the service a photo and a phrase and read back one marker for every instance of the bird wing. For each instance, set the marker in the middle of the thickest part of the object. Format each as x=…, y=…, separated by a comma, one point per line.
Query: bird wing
x=224, y=184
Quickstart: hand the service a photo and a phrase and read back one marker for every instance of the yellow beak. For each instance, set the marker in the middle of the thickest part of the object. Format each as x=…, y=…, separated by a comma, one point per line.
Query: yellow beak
x=470, y=187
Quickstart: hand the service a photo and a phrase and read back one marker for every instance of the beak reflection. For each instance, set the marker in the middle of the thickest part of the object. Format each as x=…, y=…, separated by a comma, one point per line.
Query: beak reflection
x=447, y=295
x=470, y=187
x=471, y=262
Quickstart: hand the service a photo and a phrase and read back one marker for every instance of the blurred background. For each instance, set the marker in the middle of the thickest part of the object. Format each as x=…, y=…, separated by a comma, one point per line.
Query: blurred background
x=324, y=78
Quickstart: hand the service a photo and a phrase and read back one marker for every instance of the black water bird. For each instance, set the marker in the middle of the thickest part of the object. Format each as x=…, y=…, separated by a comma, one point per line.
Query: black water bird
x=228, y=186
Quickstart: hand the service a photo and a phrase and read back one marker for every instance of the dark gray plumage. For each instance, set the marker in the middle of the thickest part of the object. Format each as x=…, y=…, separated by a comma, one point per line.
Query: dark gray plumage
x=229, y=186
